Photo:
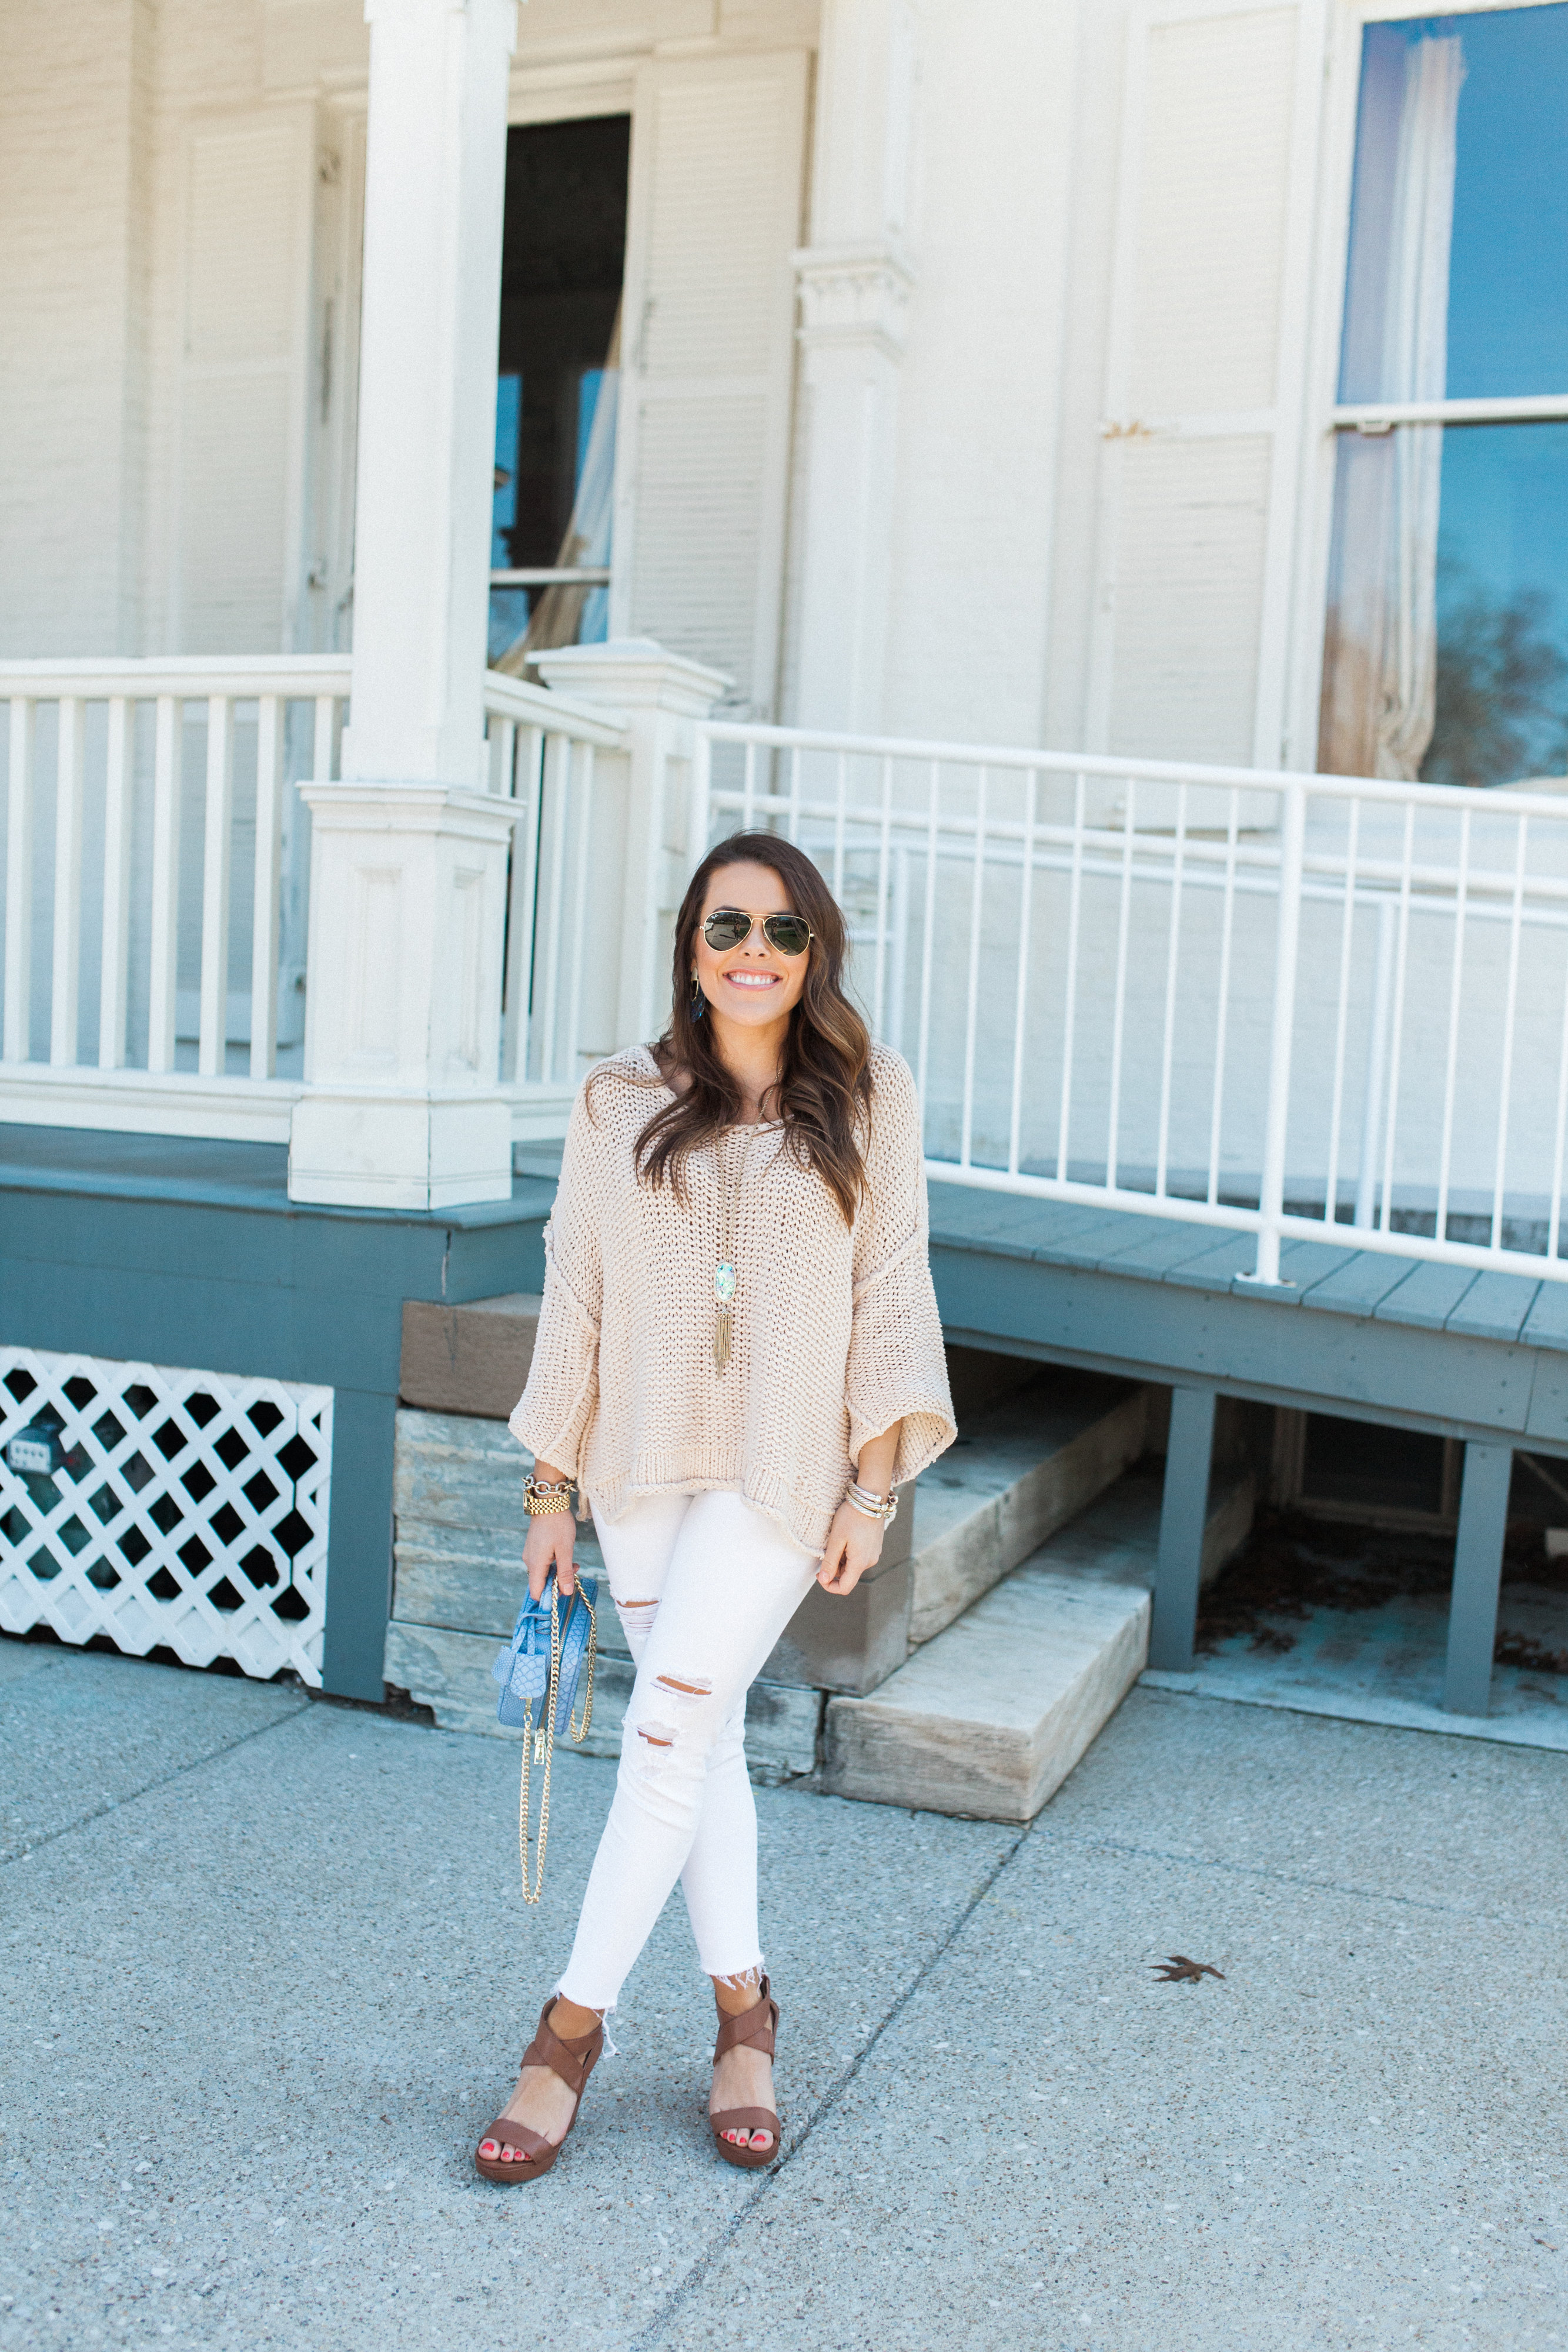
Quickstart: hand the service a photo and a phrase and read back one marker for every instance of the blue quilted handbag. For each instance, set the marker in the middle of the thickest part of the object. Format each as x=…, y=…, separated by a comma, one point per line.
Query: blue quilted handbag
x=539, y=1670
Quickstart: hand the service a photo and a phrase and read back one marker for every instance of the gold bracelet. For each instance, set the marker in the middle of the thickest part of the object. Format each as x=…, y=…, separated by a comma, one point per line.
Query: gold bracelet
x=541, y=1502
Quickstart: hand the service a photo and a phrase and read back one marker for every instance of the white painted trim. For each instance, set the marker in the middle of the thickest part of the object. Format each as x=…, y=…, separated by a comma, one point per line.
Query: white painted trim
x=299, y=676
x=143, y=1102
x=1380, y=415
x=569, y=93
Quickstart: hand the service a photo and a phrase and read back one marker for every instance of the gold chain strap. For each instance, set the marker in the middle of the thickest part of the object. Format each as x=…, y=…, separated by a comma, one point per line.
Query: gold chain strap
x=539, y=1746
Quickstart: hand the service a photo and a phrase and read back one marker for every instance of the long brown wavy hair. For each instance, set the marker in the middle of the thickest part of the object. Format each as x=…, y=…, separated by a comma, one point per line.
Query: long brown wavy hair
x=824, y=1084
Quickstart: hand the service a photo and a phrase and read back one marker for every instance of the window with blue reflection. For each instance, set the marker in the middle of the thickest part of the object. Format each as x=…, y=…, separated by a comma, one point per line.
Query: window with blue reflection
x=1459, y=213
x=1446, y=649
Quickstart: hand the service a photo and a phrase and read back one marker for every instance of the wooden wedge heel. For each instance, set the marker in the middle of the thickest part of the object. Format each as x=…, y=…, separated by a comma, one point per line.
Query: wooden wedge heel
x=756, y=2027
x=574, y=2061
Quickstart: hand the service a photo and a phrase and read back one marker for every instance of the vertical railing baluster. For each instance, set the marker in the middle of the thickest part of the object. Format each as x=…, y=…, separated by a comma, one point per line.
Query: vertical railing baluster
x=164, y=911
x=1021, y=989
x=264, y=910
x=898, y=973
x=1222, y=1010
x=19, y=802
x=505, y=757
x=879, y=1011
x=558, y=808
x=1376, y=1065
x=1282, y=1030
x=216, y=829
x=1069, y=999
x=579, y=910
x=1511, y=1008
x=972, y=1007
x=1173, y=951
x=699, y=816
x=927, y=944
x=520, y=912
x=65, y=981
x=748, y=789
x=1560, y=1125
x=321, y=746
x=794, y=819
x=1451, y=1058
x=1119, y=1013
x=1342, y=1018
x=1396, y=1041
x=114, y=963
x=843, y=786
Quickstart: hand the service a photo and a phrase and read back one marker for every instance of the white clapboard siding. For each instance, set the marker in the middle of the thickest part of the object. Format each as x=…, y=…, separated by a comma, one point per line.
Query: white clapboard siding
x=717, y=154
x=246, y=309
x=1202, y=421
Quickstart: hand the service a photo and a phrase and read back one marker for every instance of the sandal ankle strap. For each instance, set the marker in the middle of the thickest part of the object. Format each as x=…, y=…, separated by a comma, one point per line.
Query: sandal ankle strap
x=756, y=2027
x=572, y=2061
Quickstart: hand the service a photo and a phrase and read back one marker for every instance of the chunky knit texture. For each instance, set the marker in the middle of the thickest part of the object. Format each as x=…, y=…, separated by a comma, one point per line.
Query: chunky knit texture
x=836, y=1335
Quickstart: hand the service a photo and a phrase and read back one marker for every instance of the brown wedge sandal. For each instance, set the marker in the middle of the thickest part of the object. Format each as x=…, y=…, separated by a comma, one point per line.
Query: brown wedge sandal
x=574, y=2061
x=756, y=2026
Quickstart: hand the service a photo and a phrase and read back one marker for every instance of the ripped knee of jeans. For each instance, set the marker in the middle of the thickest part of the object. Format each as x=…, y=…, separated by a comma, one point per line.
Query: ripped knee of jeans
x=689, y=1691
x=655, y=1737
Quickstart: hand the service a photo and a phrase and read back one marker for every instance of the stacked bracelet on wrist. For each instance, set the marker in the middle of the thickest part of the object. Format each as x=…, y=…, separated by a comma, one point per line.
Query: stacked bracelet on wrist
x=540, y=1501
x=873, y=1506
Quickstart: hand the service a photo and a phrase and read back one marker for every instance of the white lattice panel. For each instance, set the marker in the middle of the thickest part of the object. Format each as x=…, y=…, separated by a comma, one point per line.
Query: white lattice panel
x=186, y=1510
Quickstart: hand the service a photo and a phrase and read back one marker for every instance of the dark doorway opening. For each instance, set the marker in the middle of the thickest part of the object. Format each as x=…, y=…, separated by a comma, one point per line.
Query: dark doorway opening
x=563, y=260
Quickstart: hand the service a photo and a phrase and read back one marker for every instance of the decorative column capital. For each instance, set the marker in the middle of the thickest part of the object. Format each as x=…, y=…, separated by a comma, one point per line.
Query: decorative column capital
x=855, y=295
x=633, y=673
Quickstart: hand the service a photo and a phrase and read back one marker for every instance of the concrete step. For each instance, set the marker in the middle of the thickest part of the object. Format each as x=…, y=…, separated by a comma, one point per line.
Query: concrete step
x=1021, y=1469
x=988, y=1719
x=449, y=1672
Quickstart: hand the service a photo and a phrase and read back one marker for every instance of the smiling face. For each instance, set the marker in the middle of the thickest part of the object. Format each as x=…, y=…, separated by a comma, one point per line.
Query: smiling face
x=752, y=984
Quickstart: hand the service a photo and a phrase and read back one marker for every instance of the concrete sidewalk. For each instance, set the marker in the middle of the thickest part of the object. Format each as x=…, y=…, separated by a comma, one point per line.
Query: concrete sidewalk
x=254, y=2018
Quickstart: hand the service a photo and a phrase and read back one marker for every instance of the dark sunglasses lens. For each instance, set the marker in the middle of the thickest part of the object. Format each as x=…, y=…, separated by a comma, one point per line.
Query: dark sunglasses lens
x=791, y=934
x=724, y=931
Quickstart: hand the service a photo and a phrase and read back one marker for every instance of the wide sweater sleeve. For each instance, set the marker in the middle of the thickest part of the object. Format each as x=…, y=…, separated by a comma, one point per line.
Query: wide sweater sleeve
x=897, y=1367
x=556, y=1410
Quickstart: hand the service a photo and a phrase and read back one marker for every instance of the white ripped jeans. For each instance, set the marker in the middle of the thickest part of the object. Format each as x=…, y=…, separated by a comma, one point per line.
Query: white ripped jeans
x=704, y=1585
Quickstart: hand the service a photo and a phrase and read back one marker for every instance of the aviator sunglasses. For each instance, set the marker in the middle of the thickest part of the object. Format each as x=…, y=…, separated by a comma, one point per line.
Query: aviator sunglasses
x=727, y=926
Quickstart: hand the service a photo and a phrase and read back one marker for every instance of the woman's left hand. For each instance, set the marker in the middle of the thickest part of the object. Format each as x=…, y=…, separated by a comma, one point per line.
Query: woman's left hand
x=854, y=1545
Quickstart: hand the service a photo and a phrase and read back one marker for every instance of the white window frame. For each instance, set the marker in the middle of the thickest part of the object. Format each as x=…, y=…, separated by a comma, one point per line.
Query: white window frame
x=1326, y=416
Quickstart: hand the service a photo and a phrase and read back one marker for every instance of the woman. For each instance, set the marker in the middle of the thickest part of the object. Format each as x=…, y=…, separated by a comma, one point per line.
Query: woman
x=739, y=1358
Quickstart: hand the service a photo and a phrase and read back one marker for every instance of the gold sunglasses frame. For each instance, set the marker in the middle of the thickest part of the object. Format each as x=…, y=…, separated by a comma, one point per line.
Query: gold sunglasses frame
x=751, y=925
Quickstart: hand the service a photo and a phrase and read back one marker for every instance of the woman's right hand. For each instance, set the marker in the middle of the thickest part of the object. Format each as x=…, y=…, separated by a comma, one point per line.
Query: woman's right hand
x=550, y=1539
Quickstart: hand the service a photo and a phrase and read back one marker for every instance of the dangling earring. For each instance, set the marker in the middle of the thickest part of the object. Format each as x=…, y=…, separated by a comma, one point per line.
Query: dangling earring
x=699, y=1001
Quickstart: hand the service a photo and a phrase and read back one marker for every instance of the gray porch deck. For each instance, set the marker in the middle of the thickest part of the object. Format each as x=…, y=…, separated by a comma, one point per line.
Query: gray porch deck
x=189, y=1252
x=1479, y=1356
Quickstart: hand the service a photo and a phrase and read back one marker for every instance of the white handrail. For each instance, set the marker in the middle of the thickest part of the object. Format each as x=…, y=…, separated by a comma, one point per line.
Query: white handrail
x=1198, y=992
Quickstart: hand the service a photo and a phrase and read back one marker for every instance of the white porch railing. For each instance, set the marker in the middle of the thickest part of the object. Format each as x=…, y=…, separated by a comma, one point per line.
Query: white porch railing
x=1299, y=1006
x=156, y=887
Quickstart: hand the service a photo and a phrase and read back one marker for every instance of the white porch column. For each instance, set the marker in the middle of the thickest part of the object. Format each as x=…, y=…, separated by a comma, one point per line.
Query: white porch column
x=658, y=695
x=855, y=284
x=403, y=1108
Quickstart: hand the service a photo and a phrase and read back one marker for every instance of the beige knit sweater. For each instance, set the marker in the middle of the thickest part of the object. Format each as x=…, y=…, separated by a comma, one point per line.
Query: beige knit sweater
x=836, y=1335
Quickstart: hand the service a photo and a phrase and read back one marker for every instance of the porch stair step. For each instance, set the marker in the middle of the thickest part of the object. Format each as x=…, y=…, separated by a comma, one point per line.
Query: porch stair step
x=988, y=1719
x=1020, y=1470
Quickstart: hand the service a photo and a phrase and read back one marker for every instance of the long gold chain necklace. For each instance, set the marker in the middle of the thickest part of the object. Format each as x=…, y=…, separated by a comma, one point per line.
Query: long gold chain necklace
x=723, y=1273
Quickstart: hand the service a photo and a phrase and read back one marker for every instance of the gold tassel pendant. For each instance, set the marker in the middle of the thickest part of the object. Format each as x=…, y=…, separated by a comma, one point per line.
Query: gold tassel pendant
x=724, y=1313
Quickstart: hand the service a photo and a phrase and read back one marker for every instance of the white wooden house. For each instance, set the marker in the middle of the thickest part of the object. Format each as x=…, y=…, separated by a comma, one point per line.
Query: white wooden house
x=456, y=457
